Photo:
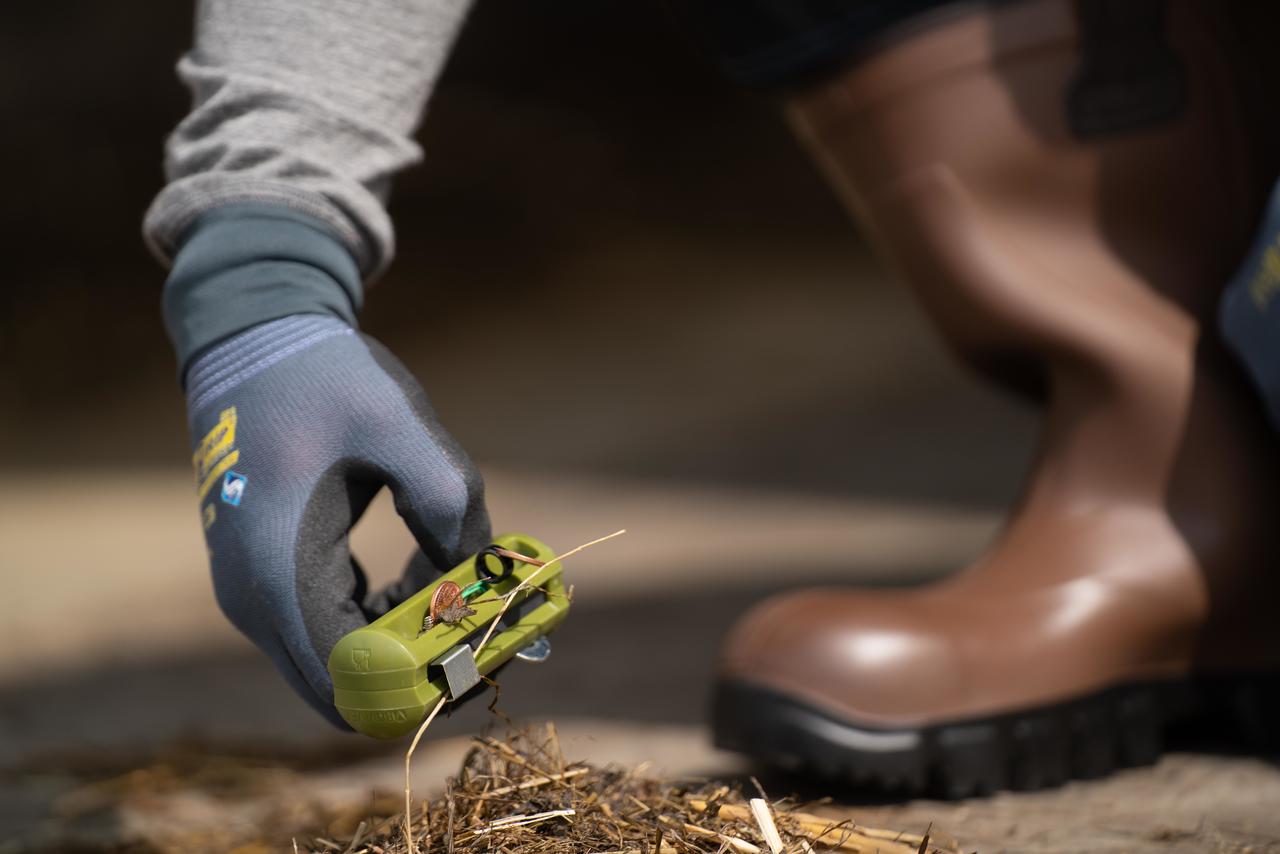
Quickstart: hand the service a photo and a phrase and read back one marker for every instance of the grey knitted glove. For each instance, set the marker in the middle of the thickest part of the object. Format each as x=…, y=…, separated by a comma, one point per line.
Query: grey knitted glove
x=297, y=423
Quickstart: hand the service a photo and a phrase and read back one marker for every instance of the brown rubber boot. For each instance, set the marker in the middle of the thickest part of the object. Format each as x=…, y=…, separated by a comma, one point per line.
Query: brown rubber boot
x=1069, y=227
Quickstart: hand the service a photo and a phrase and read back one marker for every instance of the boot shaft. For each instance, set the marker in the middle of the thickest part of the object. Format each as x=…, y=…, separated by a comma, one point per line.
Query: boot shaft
x=1069, y=221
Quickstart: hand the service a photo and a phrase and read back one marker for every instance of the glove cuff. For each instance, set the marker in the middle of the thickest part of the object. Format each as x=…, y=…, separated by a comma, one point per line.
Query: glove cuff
x=242, y=265
x=220, y=368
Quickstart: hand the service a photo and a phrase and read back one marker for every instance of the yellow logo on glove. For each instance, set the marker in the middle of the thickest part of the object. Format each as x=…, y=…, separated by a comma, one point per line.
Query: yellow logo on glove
x=1266, y=282
x=216, y=452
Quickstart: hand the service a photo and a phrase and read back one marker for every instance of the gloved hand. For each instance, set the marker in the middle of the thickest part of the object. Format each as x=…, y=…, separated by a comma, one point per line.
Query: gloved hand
x=297, y=422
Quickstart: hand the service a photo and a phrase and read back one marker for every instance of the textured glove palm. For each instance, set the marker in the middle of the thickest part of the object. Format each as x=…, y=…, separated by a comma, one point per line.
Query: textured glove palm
x=297, y=424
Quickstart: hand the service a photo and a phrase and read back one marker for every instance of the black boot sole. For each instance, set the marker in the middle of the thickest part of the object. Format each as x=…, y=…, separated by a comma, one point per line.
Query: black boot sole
x=1031, y=749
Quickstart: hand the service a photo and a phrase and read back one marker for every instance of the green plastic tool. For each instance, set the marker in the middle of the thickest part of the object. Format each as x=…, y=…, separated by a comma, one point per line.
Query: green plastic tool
x=388, y=675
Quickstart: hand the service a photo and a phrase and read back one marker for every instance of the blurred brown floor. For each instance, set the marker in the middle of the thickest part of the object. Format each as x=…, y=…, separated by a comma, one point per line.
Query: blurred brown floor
x=605, y=238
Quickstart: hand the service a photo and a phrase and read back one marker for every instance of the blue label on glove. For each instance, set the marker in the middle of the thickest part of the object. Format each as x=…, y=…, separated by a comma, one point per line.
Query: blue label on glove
x=233, y=488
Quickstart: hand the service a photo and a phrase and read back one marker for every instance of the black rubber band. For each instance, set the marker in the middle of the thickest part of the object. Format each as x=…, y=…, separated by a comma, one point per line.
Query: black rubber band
x=482, y=565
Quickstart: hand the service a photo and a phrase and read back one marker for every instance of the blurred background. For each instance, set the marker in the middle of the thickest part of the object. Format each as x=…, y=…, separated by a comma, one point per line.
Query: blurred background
x=631, y=298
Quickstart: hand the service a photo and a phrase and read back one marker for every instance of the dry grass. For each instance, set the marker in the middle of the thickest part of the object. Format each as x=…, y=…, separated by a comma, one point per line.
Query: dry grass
x=520, y=796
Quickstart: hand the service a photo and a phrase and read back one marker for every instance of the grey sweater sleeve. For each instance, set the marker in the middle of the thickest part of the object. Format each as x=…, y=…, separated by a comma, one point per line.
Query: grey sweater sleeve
x=303, y=104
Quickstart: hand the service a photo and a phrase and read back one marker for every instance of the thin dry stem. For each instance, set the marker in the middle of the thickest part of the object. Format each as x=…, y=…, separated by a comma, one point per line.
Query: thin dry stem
x=534, y=783
x=528, y=582
x=521, y=821
x=764, y=819
x=408, y=778
x=517, y=556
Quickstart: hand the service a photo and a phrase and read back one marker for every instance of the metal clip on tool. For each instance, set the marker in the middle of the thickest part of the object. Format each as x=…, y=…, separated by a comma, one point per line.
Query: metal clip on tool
x=388, y=675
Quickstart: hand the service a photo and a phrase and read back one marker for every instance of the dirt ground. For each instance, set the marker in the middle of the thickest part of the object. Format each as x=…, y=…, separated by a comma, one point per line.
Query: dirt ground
x=195, y=797
x=719, y=366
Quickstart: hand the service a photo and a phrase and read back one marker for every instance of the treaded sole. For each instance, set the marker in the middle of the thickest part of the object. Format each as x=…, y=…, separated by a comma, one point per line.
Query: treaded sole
x=1029, y=749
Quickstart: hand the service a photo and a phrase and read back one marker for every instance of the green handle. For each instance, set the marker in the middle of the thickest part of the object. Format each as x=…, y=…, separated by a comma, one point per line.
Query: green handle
x=384, y=683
